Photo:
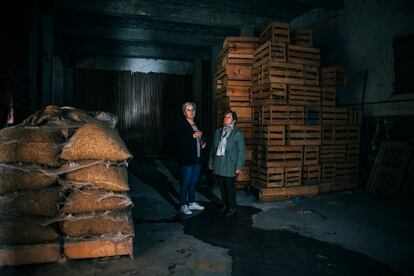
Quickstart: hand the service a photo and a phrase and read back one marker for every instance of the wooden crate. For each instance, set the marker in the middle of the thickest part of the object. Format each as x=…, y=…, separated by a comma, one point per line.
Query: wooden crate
x=272, y=194
x=236, y=101
x=270, y=115
x=247, y=131
x=328, y=96
x=277, y=156
x=311, y=175
x=96, y=248
x=354, y=116
x=232, y=91
x=289, y=73
x=237, y=42
x=303, y=135
x=303, y=55
x=224, y=83
x=334, y=115
x=270, y=51
x=328, y=174
x=269, y=93
x=302, y=37
x=352, y=152
x=340, y=135
x=346, y=172
x=269, y=136
x=244, y=176
x=310, y=155
x=333, y=153
x=235, y=72
x=29, y=254
x=276, y=177
x=333, y=76
x=276, y=31
x=303, y=95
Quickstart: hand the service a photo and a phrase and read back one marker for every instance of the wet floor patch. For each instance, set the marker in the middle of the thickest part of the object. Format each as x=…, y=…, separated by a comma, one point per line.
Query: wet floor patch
x=276, y=252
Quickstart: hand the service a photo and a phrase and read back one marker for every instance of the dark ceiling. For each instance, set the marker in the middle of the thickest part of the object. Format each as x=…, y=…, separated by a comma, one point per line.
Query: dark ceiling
x=173, y=29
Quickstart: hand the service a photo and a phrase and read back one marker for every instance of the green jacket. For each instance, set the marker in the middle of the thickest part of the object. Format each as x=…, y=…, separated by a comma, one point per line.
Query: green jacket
x=234, y=156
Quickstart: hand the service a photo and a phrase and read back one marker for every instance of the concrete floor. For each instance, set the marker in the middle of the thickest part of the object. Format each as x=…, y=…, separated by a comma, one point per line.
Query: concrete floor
x=333, y=234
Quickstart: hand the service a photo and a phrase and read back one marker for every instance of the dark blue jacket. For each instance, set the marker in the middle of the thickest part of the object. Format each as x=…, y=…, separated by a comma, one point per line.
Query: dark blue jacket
x=186, y=144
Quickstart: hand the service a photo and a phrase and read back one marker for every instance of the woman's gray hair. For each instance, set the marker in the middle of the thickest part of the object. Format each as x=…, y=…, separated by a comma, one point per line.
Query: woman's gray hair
x=187, y=104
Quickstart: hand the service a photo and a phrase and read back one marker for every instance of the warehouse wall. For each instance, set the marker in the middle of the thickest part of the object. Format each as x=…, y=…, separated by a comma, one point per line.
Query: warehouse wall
x=360, y=37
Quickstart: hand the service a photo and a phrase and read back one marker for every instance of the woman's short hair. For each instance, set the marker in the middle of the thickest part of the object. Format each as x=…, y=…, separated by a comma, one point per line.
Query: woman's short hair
x=233, y=114
x=187, y=104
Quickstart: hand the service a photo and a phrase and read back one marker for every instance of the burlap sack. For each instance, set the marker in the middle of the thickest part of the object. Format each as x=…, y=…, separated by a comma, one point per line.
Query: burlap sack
x=42, y=202
x=19, y=177
x=97, y=225
x=91, y=200
x=108, y=177
x=19, y=231
x=95, y=141
x=38, y=145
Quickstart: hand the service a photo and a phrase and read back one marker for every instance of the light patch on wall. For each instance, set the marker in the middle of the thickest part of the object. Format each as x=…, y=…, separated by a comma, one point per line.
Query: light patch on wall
x=142, y=65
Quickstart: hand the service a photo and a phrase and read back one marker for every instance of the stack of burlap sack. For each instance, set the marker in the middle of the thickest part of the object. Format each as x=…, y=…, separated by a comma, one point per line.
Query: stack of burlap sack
x=63, y=167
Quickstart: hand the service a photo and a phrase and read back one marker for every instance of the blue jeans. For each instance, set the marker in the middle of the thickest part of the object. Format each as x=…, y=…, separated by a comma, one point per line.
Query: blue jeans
x=189, y=181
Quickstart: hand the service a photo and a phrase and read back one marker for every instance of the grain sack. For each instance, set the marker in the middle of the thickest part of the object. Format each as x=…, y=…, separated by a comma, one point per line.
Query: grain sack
x=95, y=141
x=50, y=112
x=98, y=224
x=91, y=200
x=19, y=177
x=30, y=145
x=42, y=202
x=19, y=231
x=110, y=177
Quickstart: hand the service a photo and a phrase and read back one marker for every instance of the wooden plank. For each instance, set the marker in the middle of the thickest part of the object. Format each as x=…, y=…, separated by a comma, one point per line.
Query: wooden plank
x=302, y=37
x=311, y=175
x=96, y=248
x=271, y=115
x=304, y=95
x=269, y=93
x=303, y=55
x=29, y=254
x=276, y=31
x=269, y=194
x=328, y=96
x=303, y=135
x=333, y=76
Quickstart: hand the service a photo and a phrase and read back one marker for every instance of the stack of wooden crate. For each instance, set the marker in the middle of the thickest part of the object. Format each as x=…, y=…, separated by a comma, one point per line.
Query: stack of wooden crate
x=233, y=81
x=339, y=152
x=286, y=98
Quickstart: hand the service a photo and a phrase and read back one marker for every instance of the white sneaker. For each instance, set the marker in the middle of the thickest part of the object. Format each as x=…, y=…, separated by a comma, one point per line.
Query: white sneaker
x=195, y=206
x=185, y=210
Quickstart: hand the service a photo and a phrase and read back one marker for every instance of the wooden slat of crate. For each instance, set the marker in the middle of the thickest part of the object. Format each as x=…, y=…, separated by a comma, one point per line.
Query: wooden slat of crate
x=244, y=176
x=333, y=153
x=243, y=113
x=352, y=152
x=340, y=135
x=310, y=155
x=236, y=101
x=240, y=42
x=276, y=31
x=334, y=115
x=276, y=176
x=303, y=135
x=269, y=93
x=239, y=72
x=328, y=174
x=354, y=116
x=303, y=55
x=241, y=56
x=389, y=168
x=270, y=135
x=29, y=254
x=333, y=76
x=274, y=156
x=247, y=131
x=302, y=37
x=311, y=175
x=270, y=115
x=303, y=95
x=272, y=194
x=328, y=96
x=270, y=51
x=346, y=171
x=96, y=248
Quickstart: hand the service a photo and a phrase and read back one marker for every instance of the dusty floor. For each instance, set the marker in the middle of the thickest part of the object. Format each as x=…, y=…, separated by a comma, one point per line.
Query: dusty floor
x=348, y=233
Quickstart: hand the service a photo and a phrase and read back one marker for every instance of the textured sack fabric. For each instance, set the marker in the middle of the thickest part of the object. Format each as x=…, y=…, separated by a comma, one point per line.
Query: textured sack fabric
x=91, y=200
x=98, y=224
x=19, y=177
x=97, y=142
x=20, y=230
x=42, y=202
x=105, y=176
x=39, y=145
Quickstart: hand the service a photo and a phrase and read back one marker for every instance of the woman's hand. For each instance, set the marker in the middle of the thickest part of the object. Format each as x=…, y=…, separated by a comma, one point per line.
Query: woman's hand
x=210, y=167
x=197, y=134
x=203, y=145
x=237, y=171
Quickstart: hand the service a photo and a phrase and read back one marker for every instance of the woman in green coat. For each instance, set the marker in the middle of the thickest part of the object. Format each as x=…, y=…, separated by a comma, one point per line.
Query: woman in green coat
x=227, y=155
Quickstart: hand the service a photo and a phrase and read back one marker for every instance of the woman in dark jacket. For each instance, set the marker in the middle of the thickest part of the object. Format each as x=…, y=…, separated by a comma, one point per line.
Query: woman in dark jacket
x=190, y=145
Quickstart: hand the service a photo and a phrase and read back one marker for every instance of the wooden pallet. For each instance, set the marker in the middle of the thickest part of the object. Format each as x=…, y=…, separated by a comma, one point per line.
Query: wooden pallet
x=352, y=152
x=276, y=32
x=235, y=56
x=333, y=153
x=310, y=155
x=280, y=72
x=311, y=175
x=269, y=93
x=97, y=248
x=277, y=156
x=328, y=96
x=29, y=254
x=333, y=76
x=272, y=194
x=389, y=168
x=354, y=116
x=269, y=136
x=270, y=115
x=276, y=176
x=302, y=37
x=303, y=135
x=334, y=115
x=303, y=55
x=270, y=51
x=340, y=135
x=328, y=173
x=303, y=95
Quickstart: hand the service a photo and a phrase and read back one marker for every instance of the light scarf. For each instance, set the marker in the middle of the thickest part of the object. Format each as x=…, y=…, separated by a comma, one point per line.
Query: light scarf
x=221, y=148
